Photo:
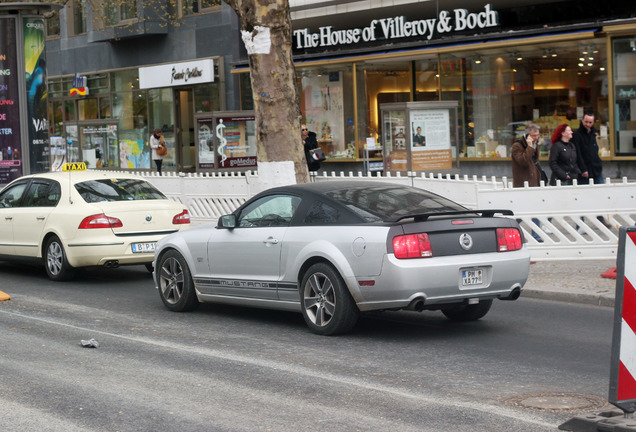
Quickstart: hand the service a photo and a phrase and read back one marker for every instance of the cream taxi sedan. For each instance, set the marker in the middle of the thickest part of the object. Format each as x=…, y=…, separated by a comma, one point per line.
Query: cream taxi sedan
x=83, y=218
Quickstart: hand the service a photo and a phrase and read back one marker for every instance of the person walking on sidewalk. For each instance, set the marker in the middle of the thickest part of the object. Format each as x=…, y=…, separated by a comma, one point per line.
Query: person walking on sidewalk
x=563, y=160
x=587, y=157
x=589, y=162
x=525, y=164
x=525, y=158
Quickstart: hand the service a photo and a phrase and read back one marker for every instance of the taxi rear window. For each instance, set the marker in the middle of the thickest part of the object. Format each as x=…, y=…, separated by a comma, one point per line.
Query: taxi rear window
x=117, y=190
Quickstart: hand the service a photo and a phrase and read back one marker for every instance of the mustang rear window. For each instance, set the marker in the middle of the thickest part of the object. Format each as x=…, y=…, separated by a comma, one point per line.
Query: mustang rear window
x=117, y=190
x=383, y=203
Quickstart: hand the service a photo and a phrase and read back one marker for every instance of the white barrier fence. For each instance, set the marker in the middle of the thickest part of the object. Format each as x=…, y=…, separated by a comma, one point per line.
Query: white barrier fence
x=559, y=222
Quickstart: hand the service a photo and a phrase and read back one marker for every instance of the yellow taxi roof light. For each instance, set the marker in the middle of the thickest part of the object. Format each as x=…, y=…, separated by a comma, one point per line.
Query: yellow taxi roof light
x=74, y=166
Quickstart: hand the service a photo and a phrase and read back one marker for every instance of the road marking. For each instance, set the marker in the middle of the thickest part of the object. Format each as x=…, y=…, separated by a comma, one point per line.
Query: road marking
x=494, y=410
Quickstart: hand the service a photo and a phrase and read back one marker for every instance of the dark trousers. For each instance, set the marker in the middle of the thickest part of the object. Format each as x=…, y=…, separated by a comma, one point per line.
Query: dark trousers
x=158, y=162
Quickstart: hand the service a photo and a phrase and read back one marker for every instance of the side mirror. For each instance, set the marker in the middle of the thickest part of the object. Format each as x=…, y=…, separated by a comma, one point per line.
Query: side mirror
x=227, y=221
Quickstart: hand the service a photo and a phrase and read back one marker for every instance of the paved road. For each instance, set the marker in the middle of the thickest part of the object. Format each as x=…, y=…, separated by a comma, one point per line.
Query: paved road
x=233, y=369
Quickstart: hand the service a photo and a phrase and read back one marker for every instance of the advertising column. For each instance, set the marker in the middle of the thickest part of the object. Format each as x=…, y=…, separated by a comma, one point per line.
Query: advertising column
x=10, y=139
x=35, y=73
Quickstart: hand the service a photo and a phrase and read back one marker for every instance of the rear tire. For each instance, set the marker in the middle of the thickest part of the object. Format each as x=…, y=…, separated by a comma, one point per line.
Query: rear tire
x=55, y=262
x=470, y=312
x=326, y=303
x=174, y=280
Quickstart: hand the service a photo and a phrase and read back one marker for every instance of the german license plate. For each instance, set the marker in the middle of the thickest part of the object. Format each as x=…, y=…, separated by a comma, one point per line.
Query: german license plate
x=143, y=247
x=472, y=277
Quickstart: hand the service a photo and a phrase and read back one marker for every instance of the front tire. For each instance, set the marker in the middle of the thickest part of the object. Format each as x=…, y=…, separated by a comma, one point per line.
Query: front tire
x=55, y=262
x=468, y=312
x=327, y=306
x=174, y=280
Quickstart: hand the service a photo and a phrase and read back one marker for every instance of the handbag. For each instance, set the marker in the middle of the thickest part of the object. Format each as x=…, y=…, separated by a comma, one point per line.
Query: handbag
x=162, y=150
x=317, y=155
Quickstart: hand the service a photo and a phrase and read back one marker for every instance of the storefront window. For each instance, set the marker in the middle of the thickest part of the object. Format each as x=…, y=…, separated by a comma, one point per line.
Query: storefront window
x=247, y=99
x=161, y=116
x=57, y=115
x=326, y=105
x=125, y=80
x=98, y=84
x=206, y=98
x=380, y=83
x=501, y=90
x=130, y=109
x=88, y=109
x=104, y=107
x=426, y=80
x=625, y=94
x=69, y=110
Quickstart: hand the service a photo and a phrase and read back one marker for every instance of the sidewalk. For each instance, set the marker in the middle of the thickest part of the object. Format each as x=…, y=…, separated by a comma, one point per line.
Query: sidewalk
x=577, y=281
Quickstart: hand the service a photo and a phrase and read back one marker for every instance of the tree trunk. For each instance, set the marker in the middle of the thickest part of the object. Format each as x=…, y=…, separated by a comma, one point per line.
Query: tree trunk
x=266, y=29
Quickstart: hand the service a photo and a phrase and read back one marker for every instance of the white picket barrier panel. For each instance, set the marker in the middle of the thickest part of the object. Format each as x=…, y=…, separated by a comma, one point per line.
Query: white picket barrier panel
x=564, y=218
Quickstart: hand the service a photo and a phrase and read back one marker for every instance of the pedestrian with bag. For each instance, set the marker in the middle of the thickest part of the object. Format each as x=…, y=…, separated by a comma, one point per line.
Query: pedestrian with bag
x=159, y=149
x=310, y=143
x=563, y=159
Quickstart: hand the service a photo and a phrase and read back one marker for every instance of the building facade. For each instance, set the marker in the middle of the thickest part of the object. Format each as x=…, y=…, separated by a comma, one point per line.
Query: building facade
x=504, y=63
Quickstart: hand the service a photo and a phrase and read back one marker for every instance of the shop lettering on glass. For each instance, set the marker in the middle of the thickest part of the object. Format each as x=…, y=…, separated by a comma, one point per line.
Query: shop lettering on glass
x=185, y=75
x=399, y=27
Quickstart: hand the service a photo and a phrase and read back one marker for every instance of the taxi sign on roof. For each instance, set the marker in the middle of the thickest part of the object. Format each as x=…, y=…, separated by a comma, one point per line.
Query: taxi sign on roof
x=74, y=166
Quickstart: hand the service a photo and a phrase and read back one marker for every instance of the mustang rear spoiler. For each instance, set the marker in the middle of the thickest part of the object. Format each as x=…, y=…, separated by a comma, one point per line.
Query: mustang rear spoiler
x=424, y=216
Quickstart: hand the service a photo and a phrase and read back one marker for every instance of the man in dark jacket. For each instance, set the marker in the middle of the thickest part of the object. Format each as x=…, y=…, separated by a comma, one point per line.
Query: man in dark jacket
x=587, y=157
x=587, y=152
x=309, y=143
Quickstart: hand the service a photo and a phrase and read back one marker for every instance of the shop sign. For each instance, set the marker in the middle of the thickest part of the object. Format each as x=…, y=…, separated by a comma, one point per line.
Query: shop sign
x=398, y=28
x=10, y=133
x=80, y=87
x=177, y=74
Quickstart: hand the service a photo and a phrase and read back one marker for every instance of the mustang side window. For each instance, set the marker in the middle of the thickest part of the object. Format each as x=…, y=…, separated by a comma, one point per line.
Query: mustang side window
x=272, y=210
x=321, y=214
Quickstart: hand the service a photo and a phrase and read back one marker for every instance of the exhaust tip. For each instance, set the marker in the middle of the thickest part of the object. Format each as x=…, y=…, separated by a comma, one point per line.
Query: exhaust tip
x=417, y=304
x=111, y=264
x=514, y=295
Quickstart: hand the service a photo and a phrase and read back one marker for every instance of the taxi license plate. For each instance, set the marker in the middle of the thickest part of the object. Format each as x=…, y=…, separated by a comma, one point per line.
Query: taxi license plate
x=143, y=247
x=472, y=277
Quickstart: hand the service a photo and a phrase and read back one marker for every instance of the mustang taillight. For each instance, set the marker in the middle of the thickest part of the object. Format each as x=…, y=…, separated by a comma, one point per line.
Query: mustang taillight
x=181, y=218
x=508, y=239
x=100, y=221
x=412, y=246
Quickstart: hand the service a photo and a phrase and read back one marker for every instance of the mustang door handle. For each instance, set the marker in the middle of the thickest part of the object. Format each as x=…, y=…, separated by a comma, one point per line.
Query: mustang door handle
x=270, y=240
x=8, y=218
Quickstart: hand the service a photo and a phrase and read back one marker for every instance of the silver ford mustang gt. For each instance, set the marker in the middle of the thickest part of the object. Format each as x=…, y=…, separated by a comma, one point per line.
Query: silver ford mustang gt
x=334, y=249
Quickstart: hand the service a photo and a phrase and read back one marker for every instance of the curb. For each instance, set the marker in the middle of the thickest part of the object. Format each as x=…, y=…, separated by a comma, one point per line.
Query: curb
x=606, y=300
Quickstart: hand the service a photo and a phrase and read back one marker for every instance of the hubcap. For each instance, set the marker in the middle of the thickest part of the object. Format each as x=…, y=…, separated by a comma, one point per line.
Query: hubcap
x=54, y=258
x=171, y=280
x=319, y=299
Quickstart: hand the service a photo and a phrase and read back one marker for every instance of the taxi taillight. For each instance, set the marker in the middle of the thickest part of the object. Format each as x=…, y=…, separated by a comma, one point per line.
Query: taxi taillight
x=412, y=246
x=508, y=239
x=181, y=218
x=100, y=221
